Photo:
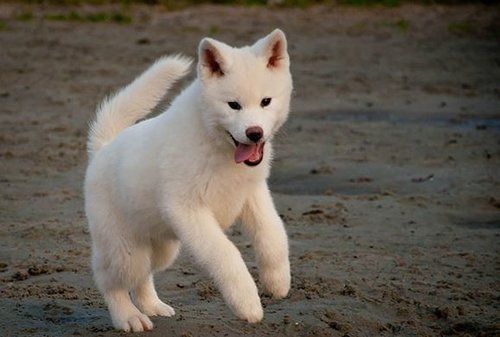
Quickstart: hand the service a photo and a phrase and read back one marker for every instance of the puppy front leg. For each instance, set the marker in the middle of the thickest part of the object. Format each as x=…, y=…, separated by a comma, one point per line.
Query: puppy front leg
x=265, y=227
x=200, y=233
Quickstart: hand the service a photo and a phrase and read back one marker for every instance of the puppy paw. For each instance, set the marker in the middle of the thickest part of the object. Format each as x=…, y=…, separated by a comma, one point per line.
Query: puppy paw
x=252, y=313
x=245, y=303
x=276, y=282
x=157, y=308
x=133, y=323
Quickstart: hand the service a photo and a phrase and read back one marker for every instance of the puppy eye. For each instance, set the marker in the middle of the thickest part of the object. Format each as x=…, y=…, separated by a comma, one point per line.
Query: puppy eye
x=234, y=105
x=265, y=102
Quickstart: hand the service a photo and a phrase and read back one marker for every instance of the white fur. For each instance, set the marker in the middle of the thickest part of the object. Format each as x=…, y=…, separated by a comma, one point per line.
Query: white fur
x=172, y=181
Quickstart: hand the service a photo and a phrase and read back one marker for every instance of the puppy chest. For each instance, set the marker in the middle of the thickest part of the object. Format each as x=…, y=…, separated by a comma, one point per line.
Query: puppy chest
x=226, y=202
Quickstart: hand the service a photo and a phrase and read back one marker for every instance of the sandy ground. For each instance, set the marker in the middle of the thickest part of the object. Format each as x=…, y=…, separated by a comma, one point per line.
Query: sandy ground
x=386, y=173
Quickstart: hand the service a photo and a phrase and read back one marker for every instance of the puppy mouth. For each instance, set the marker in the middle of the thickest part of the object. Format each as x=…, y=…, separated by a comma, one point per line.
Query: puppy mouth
x=250, y=154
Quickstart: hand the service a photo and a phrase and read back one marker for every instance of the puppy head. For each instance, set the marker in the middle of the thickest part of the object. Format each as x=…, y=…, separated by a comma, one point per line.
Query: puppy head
x=246, y=92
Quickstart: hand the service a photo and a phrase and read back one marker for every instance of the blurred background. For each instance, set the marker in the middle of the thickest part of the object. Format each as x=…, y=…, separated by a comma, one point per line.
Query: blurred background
x=386, y=173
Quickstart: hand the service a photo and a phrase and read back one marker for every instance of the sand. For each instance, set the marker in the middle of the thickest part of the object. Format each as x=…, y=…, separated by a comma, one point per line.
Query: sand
x=386, y=173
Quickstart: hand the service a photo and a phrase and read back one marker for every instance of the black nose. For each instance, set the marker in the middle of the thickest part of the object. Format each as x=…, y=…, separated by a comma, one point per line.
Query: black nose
x=254, y=133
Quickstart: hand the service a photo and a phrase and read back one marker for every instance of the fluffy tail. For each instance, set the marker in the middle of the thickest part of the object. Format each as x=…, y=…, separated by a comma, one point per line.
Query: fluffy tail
x=135, y=101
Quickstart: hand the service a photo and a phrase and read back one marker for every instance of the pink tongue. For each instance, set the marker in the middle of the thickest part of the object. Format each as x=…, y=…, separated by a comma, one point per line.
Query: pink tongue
x=244, y=152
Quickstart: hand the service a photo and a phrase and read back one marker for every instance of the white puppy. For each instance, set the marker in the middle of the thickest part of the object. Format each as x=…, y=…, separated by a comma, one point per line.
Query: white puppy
x=185, y=176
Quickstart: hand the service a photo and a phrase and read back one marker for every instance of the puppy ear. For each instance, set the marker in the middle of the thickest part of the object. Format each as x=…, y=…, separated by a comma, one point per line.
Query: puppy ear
x=273, y=48
x=213, y=58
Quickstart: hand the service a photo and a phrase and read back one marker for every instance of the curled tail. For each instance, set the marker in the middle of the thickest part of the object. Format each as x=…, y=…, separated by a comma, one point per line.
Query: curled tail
x=135, y=101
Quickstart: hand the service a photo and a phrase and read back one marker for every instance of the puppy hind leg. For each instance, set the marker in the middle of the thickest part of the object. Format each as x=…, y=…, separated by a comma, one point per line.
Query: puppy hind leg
x=164, y=253
x=120, y=264
x=124, y=314
x=148, y=301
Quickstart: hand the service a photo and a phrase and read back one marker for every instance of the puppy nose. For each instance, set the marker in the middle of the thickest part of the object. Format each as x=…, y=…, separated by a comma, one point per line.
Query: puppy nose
x=254, y=133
